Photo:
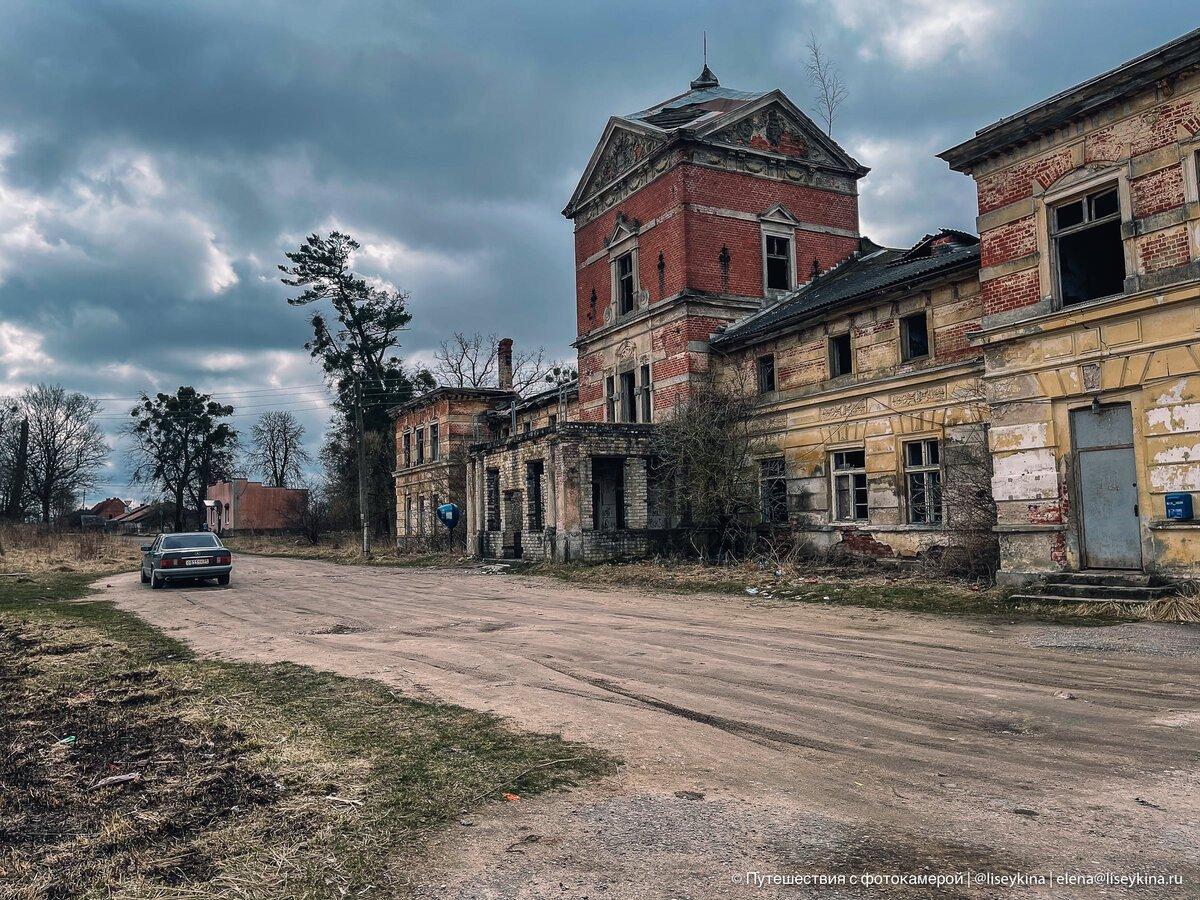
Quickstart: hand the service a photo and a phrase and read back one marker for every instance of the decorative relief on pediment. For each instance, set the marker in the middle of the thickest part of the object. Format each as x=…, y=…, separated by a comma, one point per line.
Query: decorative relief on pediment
x=774, y=130
x=625, y=150
x=917, y=396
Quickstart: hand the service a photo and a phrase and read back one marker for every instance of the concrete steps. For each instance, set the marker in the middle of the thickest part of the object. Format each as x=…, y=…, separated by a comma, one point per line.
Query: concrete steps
x=1097, y=587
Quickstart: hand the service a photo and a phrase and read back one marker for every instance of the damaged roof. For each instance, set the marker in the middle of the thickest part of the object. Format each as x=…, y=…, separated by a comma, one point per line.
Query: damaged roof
x=872, y=270
x=698, y=106
x=1173, y=58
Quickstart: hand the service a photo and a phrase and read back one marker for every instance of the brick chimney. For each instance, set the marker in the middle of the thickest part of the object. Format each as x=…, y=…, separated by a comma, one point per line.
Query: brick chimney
x=504, y=358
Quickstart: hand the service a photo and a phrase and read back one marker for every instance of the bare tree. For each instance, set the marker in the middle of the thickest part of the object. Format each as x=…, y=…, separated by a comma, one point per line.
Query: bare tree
x=829, y=89
x=277, y=448
x=66, y=447
x=470, y=360
x=704, y=454
x=311, y=513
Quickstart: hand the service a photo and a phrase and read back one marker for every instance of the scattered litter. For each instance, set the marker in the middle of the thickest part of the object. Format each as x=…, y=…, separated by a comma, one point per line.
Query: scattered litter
x=336, y=799
x=1064, y=695
x=511, y=798
x=751, y=591
x=117, y=779
x=68, y=741
x=466, y=823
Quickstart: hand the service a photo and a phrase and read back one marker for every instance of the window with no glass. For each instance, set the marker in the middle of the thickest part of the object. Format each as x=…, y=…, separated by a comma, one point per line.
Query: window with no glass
x=492, y=500
x=610, y=399
x=628, y=397
x=841, y=360
x=923, y=480
x=533, y=494
x=849, y=469
x=408, y=448
x=646, y=407
x=1090, y=257
x=779, y=263
x=773, y=489
x=420, y=445
x=435, y=435
x=766, y=373
x=914, y=336
x=626, y=287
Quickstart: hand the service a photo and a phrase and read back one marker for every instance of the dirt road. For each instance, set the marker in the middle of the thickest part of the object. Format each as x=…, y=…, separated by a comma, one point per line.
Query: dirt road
x=783, y=740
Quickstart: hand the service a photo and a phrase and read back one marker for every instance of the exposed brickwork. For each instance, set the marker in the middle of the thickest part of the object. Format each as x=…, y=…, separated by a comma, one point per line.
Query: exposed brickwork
x=1008, y=242
x=1157, y=192
x=1011, y=292
x=1164, y=250
x=1016, y=183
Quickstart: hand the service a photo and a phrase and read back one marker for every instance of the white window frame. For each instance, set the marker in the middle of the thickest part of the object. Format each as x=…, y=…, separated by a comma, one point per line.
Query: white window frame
x=835, y=513
x=1082, y=193
x=778, y=222
x=923, y=470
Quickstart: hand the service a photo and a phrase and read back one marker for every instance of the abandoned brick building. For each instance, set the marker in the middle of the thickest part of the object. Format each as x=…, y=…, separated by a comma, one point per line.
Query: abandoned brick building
x=717, y=235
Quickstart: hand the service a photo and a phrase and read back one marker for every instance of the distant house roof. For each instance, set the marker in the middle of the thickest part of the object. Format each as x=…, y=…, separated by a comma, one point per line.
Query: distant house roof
x=139, y=514
x=446, y=390
x=873, y=270
x=1170, y=59
x=109, y=508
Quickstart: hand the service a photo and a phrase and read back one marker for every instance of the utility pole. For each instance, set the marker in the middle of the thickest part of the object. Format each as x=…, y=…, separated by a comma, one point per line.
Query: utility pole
x=16, y=496
x=363, y=512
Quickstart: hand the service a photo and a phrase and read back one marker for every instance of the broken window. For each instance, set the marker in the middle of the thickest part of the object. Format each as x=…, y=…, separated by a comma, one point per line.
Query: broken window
x=626, y=286
x=766, y=373
x=923, y=478
x=435, y=435
x=421, y=514
x=914, y=336
x=849, y=485
x=533, y=494
x=610, y=400
x=1088, y=248
x=526, y=426
x=608, y=493
x=553, y=420
x=407, y=448
x=408, y=529
x=646, y=393
x=779, y=263
x=420, y=445
x=773, y=489
x=841, y=360
x=492, y=501
x=628, y=397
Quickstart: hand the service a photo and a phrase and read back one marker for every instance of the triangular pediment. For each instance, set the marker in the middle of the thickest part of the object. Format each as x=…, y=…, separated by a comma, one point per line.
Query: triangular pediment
x=621, y=148
x=623, y=228
x=780, y=214
x=773, y=124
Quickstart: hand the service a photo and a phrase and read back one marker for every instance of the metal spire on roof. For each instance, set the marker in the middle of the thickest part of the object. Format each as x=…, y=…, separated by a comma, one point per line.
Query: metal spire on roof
x=706, y=78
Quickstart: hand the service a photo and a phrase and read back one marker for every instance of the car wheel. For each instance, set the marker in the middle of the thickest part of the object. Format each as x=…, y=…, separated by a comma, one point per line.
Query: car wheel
x=223, y=579
x=155, y=581
x=142, y=572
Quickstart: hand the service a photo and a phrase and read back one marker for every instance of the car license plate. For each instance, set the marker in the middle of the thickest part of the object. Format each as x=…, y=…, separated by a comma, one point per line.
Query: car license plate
x=196, y=562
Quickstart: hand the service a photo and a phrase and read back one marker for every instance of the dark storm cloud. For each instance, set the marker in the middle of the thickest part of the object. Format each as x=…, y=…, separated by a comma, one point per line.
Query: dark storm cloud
x=156, y=159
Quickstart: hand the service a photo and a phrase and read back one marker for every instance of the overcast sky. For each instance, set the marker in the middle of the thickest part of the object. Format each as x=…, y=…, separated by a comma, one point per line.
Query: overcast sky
x=156, y=159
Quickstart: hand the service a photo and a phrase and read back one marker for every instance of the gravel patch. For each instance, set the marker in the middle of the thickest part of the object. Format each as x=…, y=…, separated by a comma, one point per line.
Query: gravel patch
x=1155, y=639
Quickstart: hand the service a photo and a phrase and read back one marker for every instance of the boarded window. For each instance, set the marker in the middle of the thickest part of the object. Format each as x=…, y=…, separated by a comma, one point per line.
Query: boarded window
x=923, y=482
x=914, y=336
x=1088, y=248
x=849, y=485
x=766, y=373
x=779, y=263
x=841, y=359
x=773, y=489
x=492, y=500
x=626, y=286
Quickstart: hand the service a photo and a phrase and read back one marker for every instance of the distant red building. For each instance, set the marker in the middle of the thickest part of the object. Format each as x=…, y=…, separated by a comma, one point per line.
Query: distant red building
x=241, y=505
x=110, y=508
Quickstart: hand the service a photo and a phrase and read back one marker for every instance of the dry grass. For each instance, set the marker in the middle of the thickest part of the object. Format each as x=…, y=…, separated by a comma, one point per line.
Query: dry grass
x=339, y=547
x=35, y=550
x=1181, y=607
x=251, y=780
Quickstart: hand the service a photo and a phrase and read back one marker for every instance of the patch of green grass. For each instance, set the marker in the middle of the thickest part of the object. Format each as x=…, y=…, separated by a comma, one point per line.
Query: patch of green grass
x=254, y=780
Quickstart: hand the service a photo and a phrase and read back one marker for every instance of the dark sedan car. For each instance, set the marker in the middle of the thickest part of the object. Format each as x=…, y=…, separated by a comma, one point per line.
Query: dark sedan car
x=198, y=554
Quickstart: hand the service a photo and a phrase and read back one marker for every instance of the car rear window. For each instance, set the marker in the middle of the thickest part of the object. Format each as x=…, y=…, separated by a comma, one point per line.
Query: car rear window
x=188, y=541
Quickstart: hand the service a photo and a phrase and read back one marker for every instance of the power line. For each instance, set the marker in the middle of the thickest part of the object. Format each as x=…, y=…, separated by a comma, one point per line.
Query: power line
x=239, y=393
